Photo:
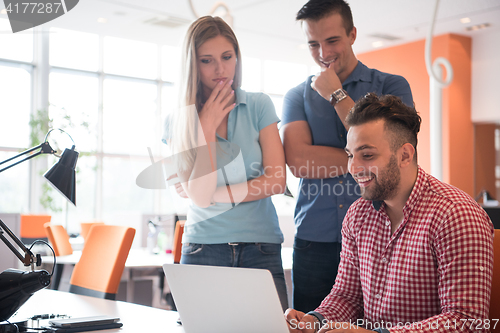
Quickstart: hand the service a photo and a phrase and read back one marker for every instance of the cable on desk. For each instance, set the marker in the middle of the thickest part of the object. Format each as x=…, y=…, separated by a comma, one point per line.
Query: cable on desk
x=50, y=247
x=48, y=316
x=15, y=325
x=35, y=326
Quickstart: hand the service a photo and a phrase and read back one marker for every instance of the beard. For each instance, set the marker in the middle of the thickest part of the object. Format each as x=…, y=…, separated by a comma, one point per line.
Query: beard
x=385, y=183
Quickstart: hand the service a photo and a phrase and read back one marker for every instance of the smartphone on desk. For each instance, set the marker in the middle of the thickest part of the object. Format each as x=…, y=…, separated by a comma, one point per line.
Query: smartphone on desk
x=84, y=322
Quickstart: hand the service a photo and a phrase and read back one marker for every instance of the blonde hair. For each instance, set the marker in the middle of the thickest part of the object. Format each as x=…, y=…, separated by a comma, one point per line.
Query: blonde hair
x=185, y=122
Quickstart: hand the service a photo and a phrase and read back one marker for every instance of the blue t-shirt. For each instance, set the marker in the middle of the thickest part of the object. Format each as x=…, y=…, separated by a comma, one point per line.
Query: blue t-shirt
x=322, y=203
x=241, y=159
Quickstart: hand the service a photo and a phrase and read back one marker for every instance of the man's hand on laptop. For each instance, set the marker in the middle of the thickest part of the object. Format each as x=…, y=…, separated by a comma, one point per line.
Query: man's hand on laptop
x=299, y=322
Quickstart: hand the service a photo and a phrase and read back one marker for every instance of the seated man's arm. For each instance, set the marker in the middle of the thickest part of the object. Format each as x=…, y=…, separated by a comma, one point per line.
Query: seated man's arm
x=345, y=301
x=299, y=322
x=464, y=250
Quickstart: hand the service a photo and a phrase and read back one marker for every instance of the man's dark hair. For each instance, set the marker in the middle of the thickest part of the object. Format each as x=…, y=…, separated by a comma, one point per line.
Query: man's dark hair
x=401, y=120
x=315, y=10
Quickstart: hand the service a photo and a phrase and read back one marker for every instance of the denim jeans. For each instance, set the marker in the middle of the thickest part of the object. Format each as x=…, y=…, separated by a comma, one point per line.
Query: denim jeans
x=247, y=255
x=314, y=270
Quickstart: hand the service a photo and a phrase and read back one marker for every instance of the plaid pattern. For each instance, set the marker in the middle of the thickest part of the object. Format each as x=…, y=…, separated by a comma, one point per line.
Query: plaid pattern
x=435, y=271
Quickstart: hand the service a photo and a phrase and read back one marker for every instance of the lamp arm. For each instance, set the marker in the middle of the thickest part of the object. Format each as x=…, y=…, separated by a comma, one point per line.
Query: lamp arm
x=21, y=154
x=28, y=255
x=25, y=159
x=46, y=149
x=11, y=247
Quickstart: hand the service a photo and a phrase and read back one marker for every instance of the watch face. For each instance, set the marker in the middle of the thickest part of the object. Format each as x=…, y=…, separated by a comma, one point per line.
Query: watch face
x=339, y=94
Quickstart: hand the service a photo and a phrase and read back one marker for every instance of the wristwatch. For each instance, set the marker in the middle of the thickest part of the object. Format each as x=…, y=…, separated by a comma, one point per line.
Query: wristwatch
x=317, y=322
x=337, y=96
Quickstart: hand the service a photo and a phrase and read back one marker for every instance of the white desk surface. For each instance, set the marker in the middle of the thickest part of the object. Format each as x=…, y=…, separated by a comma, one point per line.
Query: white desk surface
x=141, y=258
x=135, y=318
x=137, y=258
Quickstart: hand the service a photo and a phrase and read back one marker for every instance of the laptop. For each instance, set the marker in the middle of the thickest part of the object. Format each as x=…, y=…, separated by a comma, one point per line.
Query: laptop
x=225, y=299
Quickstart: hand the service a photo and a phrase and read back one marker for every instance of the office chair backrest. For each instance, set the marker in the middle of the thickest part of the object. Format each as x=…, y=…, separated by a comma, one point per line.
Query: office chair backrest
x=32, y=227
x=495, y=285
x=85, y=228
x=177, y=243
x=59, y=239
x=101, y=265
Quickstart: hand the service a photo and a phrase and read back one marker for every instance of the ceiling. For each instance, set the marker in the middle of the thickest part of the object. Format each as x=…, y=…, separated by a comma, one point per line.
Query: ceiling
x=267, y=28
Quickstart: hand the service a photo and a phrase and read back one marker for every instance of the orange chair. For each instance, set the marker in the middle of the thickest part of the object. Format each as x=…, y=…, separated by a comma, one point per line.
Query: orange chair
x=177, y=253
x=101, y=265
x=59, y=239
x=177, y=243
x=495, y=286
x=85, y=228
x=32, y=227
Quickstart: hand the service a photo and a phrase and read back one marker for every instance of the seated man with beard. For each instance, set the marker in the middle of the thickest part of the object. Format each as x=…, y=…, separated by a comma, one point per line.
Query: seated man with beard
x=417, y=254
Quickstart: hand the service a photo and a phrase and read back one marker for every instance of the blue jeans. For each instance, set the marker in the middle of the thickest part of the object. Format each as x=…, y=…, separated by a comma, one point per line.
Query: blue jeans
x=247, y=255
x=315, y=266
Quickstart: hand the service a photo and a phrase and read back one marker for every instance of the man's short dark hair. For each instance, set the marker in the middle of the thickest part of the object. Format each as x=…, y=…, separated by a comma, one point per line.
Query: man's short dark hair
x=401, y=120
x=315, y=10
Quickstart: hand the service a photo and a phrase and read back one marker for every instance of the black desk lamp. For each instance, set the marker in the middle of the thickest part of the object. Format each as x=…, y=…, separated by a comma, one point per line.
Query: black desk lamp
x=62, y=174
x=16, y=286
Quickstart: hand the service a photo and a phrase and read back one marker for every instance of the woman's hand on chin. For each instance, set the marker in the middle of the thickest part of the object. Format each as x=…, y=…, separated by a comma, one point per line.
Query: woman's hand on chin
x=216, y=107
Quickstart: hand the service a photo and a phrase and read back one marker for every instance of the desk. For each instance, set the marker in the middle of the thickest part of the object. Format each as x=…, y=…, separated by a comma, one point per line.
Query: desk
x=139, y=259
x=135, y=318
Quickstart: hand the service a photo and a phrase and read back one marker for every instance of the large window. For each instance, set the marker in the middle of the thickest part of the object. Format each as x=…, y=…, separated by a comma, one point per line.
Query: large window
x=112, y=96
x=73, y=99
x=14, y=183
x=252, y=74
x=15, y=102
x=130, y=58
x=72, y=49
x=281, y=76
x=15, y=105
x=129, y=116
x=15, y=46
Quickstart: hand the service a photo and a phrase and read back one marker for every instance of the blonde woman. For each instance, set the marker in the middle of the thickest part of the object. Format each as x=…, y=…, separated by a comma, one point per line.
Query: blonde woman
x=232, y=158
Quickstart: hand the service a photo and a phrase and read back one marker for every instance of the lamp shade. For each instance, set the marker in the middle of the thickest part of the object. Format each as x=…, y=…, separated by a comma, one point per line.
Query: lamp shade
x=62, y=174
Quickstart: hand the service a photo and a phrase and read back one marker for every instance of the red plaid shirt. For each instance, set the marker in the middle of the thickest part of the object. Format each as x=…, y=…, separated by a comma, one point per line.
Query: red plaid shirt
x=435, y=271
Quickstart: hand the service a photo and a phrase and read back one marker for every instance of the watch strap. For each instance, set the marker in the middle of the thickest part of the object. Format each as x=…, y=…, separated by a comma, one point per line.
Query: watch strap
x=320, y=320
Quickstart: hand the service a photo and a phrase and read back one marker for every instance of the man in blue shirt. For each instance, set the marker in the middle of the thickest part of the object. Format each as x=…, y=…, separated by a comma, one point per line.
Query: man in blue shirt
x=314, y=136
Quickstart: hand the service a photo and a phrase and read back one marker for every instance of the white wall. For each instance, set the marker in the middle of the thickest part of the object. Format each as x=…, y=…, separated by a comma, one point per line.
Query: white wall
x=486, y=77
